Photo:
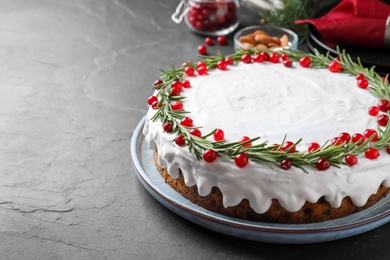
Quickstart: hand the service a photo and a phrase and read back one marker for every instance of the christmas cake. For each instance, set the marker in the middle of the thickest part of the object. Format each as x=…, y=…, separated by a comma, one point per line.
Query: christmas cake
x=285, y=137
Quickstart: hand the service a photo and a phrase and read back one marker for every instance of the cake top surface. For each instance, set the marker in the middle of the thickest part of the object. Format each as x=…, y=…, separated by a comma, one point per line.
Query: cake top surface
x=271, y=101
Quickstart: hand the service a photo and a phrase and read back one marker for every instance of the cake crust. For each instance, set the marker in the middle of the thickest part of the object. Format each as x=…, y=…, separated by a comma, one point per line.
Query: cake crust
x=309, y=213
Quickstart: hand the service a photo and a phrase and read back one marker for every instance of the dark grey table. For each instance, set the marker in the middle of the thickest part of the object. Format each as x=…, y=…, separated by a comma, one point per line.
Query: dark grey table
x=74, y=79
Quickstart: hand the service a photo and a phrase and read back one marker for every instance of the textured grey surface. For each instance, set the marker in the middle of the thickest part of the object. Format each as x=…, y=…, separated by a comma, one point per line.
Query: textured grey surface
x=74, y=79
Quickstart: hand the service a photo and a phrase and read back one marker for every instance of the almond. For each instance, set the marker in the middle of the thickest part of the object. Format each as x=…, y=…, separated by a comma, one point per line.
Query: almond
x=276, y=40
x=284, y=41
x=261, y=46
x=259, y=32
x=248, y=44
x=263, y=38
x=248, y=39
x=273, y=45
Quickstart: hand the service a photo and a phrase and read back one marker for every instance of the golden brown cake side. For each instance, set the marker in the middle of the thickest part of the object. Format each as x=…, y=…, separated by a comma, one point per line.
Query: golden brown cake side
x=309, y=213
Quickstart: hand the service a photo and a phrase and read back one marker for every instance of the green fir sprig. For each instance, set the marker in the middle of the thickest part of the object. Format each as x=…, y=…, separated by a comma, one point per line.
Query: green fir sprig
x=263, y=153
x=294, y=10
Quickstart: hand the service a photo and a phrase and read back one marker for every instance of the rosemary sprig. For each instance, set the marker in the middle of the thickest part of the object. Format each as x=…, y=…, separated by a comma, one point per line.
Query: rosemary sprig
x=262, y=152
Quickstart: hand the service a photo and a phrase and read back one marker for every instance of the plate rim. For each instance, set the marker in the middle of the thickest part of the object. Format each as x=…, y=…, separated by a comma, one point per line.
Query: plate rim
x=285, y=230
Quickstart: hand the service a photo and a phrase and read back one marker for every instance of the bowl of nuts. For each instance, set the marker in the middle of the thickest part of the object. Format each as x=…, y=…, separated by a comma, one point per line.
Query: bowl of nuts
x=263, y=37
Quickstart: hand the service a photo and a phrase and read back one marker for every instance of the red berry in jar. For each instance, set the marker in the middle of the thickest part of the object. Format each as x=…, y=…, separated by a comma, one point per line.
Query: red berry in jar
x=209, y=156
x=372, y=153
x=323, y=164
x=212, y=17
x=200, y=25
x=241, y=160
x=384, y=105
x=219, y=135
x=202, y=49
x=351, y=159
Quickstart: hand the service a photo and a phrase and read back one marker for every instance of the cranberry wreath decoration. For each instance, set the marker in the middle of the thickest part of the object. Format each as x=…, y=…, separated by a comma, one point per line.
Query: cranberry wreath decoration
x=341, y=150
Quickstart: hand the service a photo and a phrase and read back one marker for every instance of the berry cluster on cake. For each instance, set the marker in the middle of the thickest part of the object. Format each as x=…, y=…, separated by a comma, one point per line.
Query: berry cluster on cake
x=284, y=136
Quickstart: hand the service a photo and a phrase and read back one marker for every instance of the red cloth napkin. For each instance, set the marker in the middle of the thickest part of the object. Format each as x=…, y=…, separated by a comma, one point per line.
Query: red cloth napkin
x=354, y=22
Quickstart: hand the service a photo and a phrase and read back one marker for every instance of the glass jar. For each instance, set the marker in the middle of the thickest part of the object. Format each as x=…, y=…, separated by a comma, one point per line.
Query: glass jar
x=208, y=17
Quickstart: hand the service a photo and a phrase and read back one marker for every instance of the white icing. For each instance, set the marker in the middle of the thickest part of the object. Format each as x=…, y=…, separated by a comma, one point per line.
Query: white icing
x=269, y=100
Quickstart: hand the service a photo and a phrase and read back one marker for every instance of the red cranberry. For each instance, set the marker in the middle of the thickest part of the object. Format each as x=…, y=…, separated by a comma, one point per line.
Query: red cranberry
x=196, y=132
x=285, y=164
x=351, y=159
x=219, y=135
x=372, y=153
x=241, y=160
x=322, y=164
x=304, y=62
x=221, y=40
x=368, y=133
x=314, y=147
x=209, y=156
x=384, y=105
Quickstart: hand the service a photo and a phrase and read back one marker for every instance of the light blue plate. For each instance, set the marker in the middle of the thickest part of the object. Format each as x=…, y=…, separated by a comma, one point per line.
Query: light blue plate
x=151, y=179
